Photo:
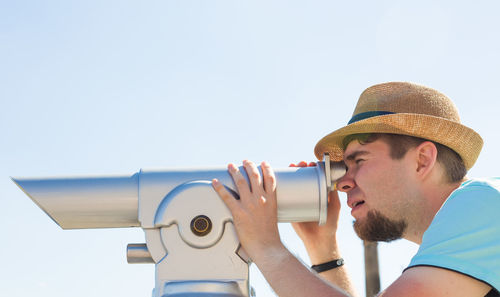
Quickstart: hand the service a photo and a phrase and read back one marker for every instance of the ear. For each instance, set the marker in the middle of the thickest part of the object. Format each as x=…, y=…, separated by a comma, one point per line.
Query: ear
x=426, y=157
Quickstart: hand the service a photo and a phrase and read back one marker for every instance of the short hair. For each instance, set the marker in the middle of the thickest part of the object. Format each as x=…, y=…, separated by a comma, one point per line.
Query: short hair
x=399, y=145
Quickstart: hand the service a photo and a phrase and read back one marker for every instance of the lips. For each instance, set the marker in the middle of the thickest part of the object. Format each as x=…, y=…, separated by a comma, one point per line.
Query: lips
x=353, y=202
x=355, y=207
x=357, y=203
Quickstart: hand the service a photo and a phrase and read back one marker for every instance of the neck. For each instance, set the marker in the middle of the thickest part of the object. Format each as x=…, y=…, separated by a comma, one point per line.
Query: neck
x=434, y=197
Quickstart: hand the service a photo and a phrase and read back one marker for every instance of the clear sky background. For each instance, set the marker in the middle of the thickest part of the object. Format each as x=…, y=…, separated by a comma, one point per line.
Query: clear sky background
x=104, y=87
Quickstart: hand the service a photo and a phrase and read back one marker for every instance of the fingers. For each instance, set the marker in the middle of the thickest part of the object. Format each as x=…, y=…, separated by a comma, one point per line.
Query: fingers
x=239, y=180
x=224, y=194
x=257, y=186
x=303, y=164
x=253, y=176
x=333, y=200
x=268, y=177
x=333, y=208
x=256, y=183
x=260, y=184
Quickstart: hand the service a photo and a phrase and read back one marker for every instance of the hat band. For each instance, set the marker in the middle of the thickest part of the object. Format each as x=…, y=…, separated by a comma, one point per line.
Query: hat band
x=368, y=114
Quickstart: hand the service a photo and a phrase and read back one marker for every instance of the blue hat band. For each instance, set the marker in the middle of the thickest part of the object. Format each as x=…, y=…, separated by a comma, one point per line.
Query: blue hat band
x=368, y=114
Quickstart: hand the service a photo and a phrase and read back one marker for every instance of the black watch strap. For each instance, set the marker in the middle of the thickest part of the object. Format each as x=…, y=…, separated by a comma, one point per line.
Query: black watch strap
x=328, y=265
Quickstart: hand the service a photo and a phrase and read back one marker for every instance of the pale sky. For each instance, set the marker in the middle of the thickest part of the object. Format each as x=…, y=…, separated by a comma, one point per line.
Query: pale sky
x=109, y=87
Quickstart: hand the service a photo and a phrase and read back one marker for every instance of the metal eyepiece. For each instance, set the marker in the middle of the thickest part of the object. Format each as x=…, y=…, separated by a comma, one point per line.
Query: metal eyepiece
x=337, y=171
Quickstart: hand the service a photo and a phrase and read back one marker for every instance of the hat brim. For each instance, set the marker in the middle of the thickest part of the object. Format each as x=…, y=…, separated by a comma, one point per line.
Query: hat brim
x=463, y=140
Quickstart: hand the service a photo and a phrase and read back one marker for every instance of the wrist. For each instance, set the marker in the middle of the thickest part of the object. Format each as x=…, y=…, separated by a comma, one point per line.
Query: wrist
x=271, y=256
x=336, y=263
x=322, y=254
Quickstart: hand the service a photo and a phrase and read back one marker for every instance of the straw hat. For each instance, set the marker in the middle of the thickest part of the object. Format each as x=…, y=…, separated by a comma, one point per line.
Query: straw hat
x=408, y=109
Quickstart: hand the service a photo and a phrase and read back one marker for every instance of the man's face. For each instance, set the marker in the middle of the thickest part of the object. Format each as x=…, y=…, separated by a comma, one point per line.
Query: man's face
x=377, y=189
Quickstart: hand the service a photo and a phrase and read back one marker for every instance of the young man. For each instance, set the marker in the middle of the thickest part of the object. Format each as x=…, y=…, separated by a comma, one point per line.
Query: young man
x=407, y=155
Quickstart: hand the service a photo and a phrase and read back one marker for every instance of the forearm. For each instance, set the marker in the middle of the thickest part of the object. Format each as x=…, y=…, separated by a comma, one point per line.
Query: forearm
x=289, y=277
x=339, y=276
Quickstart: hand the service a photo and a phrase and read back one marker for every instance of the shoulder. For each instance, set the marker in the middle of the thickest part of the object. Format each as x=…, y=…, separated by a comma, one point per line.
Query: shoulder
x=486, y=183
x=465, y=234
x=435, y=282
x=471, y=208
x=478, y=188
x=475, y=201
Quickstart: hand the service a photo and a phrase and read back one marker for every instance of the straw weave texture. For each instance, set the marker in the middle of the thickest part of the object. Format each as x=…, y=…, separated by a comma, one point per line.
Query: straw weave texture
x=418, y=111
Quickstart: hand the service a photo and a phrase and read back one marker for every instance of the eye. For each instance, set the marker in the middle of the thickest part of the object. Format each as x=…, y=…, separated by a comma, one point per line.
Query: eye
x=358, y=161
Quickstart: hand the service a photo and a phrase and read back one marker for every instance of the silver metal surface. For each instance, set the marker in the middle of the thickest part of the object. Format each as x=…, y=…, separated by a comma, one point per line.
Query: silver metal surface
x=138, y=253
x=86, y=202
x=203, y=288
x=113, y=201
x=337, y=170
x=299, y=190
x=164, y=203
x=181, y=255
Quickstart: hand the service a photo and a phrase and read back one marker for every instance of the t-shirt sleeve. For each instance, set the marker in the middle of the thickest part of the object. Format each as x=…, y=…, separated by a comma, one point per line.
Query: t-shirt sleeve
x=465, y=235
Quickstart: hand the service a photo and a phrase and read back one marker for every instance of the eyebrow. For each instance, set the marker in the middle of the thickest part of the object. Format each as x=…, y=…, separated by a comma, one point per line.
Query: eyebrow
x=353, y=156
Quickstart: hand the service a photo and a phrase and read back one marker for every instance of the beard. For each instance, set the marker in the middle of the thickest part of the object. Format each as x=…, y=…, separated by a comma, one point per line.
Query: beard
x=377, y=227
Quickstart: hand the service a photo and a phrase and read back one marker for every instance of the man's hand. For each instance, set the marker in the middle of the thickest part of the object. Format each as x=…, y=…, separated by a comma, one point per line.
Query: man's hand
x=320, y=241
x=255, y=218
x=255, y=213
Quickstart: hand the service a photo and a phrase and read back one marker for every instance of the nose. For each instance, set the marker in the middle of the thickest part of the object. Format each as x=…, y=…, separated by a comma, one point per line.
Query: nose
x=346, y=183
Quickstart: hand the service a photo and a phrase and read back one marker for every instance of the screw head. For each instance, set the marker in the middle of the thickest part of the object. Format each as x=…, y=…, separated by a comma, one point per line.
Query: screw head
x=201, y=225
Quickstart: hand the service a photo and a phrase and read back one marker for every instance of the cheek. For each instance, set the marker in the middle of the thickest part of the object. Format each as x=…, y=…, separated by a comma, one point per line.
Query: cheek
x=379, y=183
x=372, y=176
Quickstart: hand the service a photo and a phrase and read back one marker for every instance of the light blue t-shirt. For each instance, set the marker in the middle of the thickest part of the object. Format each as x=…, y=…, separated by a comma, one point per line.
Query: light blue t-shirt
x=464, y=236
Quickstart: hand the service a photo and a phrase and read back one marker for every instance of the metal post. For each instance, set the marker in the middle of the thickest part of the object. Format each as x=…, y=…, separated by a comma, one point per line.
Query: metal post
x=372, y=276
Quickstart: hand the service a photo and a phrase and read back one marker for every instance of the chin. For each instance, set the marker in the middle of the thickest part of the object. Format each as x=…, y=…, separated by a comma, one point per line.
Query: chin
x=377, y=227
